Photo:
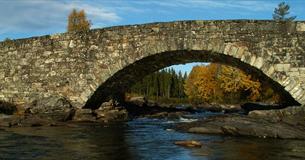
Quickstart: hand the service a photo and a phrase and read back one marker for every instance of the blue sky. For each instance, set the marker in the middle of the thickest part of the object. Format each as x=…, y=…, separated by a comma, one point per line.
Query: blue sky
x=27, y=18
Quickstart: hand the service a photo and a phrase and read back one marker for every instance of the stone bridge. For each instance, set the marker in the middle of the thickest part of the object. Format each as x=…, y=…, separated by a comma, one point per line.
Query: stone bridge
x=87, y=68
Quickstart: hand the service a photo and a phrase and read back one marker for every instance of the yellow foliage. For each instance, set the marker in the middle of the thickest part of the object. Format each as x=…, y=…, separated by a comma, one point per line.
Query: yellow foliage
x=77, y=21
x=234, y=80
x=216, y=82
x=202, y=83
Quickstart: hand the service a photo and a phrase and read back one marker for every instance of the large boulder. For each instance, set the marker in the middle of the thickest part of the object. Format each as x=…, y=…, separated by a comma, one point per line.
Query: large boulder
x=283, y=123
x=52, y=108
x=291, y=115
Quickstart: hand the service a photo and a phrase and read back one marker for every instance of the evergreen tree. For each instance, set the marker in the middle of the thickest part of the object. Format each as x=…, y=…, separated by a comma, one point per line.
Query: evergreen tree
x=281, y=12
x=162, y=84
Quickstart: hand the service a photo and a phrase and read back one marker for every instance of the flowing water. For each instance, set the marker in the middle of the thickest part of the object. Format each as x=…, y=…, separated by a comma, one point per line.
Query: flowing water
x=146, y=139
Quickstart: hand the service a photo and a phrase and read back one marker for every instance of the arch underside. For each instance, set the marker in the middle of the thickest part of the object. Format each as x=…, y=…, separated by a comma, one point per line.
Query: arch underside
x=116, y=85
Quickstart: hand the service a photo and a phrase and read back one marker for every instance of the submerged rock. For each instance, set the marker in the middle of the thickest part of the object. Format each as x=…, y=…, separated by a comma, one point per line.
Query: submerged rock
x=189, y=143
x=205, y=130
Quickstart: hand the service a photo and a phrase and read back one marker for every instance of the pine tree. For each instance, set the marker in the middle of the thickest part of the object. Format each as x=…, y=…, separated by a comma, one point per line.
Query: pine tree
x=281, y=12
x=162, y=84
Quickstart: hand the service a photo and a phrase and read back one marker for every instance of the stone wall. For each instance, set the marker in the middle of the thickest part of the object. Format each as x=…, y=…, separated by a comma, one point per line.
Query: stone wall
x=87, y=67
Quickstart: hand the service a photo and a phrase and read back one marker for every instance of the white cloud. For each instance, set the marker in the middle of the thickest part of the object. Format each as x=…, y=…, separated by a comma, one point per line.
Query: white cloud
x=42, y=15
x=247, y=5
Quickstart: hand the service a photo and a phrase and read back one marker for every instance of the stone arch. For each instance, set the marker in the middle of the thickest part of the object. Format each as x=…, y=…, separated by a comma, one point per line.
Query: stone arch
x=78, y=65
x=233, y=54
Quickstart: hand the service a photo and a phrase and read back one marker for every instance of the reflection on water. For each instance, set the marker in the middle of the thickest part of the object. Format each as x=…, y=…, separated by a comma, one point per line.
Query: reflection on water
x=138, y=139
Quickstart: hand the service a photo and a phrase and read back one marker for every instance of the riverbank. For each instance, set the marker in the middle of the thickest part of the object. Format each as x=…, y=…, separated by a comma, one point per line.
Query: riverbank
x=56, y=111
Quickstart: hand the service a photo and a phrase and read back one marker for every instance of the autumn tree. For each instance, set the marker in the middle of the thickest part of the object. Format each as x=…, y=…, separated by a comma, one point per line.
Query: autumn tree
x=233, y=80
x=190, y=86
x=202, y=84
x=224, y=84
x=281, y=12
x=77, y=21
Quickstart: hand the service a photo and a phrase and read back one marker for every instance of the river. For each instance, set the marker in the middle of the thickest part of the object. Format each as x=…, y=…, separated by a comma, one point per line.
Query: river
x=147, y=139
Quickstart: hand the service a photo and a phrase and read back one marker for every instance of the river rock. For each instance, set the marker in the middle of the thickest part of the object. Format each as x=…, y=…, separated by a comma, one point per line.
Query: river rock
x=107, y=105
x=115, y=115
x=213, y=107
x=83, y=115
x=139, y=101
x=52, y=108
x=284, y=123
x=231, y=108
x=34, y=121
x=7, y=120
x=291, y=115
x=175, y=115
x=167, y=115
x=260, y=106
x=110, y=112
x=25, y=121
x=160, y=115
x=205, y=130
x=189, y=143
x=209, y=107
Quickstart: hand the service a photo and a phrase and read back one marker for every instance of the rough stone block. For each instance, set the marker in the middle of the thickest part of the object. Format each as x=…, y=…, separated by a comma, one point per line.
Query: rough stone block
x=258, y=62
x=300, y=27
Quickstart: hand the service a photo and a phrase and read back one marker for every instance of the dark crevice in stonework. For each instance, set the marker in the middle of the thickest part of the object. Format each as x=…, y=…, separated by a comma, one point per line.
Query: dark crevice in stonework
x=116, y=85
